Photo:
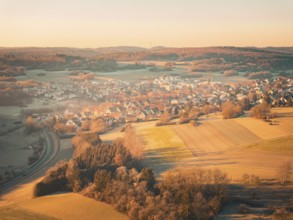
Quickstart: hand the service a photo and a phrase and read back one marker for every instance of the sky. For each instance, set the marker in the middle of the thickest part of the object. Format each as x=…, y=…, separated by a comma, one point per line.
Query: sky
x=145, y=23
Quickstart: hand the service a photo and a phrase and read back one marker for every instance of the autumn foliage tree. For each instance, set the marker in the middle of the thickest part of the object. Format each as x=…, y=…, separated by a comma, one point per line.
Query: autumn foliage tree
x=84, y=140
x=231, y=110
x=97, y=125
x=230, y=73
x=164, y=119
x=261, y=111
x=284, y=172
x=133, y=143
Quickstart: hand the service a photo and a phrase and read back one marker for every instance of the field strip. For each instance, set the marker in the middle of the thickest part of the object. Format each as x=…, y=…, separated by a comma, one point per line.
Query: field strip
x=263, y=129
x=163, y=142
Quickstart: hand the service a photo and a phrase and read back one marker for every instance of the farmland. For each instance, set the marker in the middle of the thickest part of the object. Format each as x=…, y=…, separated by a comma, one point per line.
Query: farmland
x=13, y=212
x=72, y=206
x=236, y=146
x=20, y=204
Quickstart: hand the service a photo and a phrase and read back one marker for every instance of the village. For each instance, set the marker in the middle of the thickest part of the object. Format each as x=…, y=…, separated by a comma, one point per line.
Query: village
x=117, y=101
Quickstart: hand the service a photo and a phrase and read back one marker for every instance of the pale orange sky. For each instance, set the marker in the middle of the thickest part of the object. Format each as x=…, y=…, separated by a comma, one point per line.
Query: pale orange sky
x=176, y=23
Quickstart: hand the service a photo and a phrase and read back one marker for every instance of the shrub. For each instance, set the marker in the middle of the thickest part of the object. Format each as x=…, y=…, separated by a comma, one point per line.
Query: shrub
x=230, y=73
x=261, y=111
x=260, y=75
x=231, y=110
x=284, y=171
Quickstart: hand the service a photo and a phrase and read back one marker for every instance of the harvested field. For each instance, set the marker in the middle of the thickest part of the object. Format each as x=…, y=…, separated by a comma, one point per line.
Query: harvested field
x=237, y=146
x=279, y=145
x=58, y=206
x=163, y=148
x=281, y=125
x=214, y=136
x=13, y=212
x=72, y=206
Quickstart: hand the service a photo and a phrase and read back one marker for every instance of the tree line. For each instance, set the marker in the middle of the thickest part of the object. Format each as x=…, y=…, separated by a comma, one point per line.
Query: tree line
x=112, y=173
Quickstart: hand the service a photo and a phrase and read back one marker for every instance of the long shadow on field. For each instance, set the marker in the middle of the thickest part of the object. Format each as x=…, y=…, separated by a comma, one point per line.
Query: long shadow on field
x=162, y=159
x=260, y=200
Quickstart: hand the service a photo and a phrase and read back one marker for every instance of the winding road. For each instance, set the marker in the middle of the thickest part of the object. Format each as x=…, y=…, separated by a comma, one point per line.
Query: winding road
x=37, y=169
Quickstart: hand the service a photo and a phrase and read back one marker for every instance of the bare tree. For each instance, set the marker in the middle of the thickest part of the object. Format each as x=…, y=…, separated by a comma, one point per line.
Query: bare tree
x=284, y=172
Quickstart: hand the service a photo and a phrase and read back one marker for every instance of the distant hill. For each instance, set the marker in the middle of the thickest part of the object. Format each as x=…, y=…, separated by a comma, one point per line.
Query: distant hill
x=84, y=52
x=120, y=49
x=239, y=58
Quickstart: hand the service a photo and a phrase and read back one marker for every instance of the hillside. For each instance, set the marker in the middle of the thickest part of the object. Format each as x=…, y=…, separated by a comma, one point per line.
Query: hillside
x=61, y=206
x=72, y=206
x=236, y=146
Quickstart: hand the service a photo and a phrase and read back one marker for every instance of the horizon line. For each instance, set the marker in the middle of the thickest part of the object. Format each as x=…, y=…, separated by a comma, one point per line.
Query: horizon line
x=154, y=47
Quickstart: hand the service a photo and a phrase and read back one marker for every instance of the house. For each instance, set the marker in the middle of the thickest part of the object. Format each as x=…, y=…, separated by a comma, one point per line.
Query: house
x=70, y=123
x=142, y=116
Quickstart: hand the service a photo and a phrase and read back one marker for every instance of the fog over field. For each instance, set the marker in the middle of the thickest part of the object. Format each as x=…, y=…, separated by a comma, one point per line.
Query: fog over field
x=146, y=110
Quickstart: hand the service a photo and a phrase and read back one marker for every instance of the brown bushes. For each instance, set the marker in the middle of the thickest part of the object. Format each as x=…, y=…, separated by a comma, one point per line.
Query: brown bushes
x=261, y=111
x=260, y=75
x=230, y=73
x=231, y=110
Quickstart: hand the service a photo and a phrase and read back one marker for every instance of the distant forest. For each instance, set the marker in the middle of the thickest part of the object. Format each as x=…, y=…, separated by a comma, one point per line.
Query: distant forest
x=105, y=59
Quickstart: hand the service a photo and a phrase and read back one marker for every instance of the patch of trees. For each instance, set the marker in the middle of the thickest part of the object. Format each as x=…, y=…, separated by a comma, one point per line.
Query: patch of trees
x=132, y=143
x=7, y=70
x=261, y=111
x=230, y=73
x=181, y=194
x=208, y=108
x=103, y=65
x=284, y=172
x=260, y=75
x=231, y=110
x=55, y=180
x=7, y=79
x=189, y=114
x=242, y=59
x=98, y=125
x=158, y=56
x=210, y=65
x=133, y=66
x=165, y=119
x=110, y=173
x=167, y=67
x=245, y=103
x=90, y=155
x=193, y=75
x=84, y=140
x=83, y=77
x=250, y=179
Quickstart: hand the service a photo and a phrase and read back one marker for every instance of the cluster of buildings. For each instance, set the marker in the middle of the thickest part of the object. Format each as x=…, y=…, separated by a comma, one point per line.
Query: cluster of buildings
x=117, y=101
